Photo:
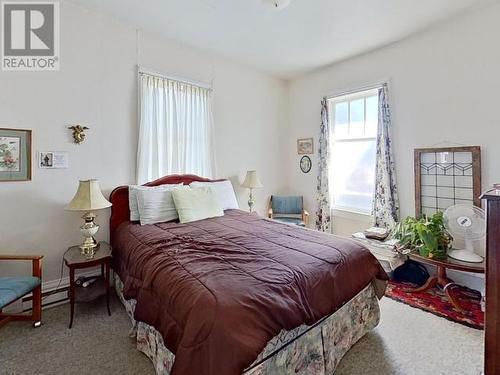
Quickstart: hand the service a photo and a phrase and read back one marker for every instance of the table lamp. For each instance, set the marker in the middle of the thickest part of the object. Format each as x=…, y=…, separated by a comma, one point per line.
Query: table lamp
x=88, y=198
x=251, y=182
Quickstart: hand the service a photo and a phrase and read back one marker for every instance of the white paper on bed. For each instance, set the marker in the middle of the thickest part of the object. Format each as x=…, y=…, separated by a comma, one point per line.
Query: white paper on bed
x=132, y=197
x=224, y=190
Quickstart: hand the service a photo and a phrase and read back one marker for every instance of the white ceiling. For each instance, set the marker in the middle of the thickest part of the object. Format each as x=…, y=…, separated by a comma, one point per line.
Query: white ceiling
x=304, y=36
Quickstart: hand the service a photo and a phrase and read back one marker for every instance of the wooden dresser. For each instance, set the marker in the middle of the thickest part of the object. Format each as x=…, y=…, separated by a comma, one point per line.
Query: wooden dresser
x=492, y=318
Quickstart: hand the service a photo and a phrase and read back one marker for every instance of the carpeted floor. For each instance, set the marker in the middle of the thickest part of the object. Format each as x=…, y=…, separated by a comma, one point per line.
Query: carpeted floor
x=407, y=341
x=97, y=343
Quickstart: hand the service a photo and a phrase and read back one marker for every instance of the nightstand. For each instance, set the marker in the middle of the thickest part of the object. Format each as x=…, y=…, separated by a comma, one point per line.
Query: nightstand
x=74, y=260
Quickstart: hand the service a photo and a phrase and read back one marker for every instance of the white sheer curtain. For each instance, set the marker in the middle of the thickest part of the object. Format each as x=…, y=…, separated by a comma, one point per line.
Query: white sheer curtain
x=176, y=129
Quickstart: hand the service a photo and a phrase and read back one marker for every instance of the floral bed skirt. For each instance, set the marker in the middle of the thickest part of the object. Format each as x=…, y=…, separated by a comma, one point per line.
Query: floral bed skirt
x=311, y=350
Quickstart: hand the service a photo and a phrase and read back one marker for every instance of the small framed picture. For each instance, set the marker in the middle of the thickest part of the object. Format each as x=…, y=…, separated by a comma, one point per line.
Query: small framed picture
x=53, y=160
x=305, y=146
x=15, y=154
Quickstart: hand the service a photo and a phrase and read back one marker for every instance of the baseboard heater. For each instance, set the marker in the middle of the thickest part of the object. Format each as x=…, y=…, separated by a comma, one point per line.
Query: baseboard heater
x=49, y=298
x=54, y=292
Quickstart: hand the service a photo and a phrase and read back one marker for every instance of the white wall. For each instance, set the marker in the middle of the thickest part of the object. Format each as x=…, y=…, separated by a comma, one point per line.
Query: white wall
x=96, y=86
x=444, y=86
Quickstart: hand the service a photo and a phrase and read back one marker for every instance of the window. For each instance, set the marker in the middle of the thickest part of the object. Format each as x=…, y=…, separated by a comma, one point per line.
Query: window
x=175, y=133
x=354, y=120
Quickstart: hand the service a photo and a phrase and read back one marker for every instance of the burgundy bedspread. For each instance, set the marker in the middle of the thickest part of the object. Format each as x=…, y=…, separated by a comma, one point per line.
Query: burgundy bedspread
x=219, y=289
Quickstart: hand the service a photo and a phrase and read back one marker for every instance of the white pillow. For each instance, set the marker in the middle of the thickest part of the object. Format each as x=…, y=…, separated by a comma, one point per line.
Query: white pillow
x=224, y=190
x=157, y=205
x=132, y=197
x=195, y=204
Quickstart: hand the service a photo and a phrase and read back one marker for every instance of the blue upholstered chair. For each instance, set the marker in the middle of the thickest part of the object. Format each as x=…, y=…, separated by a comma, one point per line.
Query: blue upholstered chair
x=13, y=288
x=288, y=209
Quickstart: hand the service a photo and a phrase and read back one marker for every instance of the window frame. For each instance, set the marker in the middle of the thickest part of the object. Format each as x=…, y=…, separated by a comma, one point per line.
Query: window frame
x=331, y=104
x=195, y=155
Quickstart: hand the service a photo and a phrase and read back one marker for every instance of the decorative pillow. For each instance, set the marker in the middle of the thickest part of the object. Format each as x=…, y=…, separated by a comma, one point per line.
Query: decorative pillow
x=157, y=205
x=224, y=190
x=132, y=198
x=196, y=204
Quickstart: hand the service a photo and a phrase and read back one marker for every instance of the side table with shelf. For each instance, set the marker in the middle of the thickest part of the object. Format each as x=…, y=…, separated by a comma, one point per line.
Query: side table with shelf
x=75, y=260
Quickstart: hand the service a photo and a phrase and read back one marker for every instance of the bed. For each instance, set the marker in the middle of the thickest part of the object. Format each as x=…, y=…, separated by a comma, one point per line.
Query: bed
x=240, y=293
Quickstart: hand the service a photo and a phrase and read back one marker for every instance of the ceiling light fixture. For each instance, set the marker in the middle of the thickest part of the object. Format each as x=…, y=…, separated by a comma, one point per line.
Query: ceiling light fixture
x=277, y=4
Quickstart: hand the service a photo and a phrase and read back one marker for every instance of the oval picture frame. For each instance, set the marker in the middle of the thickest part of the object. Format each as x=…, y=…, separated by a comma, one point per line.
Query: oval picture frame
x=305, y=164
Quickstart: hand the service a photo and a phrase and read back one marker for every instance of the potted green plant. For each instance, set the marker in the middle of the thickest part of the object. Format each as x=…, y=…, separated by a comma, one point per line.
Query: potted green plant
x=427, y=235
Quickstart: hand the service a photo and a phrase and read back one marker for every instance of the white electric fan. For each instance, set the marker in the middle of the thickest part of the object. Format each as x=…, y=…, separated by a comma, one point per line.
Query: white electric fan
x=466, y=222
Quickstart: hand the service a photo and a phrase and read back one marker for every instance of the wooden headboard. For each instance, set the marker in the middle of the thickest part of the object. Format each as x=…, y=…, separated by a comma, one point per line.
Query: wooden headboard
x=120, y=211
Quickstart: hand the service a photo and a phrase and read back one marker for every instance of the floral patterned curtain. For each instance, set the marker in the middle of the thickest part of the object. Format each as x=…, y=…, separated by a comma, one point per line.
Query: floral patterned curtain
x=385, y=202
x=323, y=195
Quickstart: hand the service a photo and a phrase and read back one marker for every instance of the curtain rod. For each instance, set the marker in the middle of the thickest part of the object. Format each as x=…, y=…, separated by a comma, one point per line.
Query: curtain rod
x=145, y=71
x=371, y=86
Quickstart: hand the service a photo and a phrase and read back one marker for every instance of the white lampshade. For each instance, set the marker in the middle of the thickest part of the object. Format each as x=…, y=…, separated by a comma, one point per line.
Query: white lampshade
x=88, y=197
x=252, y=181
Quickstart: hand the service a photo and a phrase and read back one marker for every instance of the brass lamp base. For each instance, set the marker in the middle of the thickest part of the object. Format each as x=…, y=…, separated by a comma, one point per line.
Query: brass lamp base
x=88, y=231
x=89, y=252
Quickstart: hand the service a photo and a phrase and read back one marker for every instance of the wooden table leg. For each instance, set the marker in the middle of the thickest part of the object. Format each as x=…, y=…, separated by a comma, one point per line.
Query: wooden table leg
x=71, y=292
x=441, y=279
x=430, y=283
x=451, y=297
x=106, y=283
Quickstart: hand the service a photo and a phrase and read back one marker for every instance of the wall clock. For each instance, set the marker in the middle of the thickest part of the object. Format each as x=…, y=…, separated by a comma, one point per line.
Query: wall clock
x=305, y=164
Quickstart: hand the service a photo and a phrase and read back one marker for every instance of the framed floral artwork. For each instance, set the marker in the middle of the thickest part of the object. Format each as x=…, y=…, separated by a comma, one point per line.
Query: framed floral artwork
x=15, y=154
x=305, y=146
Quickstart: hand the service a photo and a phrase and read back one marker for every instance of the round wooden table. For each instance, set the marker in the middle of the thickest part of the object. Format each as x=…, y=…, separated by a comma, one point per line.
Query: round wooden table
x=441, y=279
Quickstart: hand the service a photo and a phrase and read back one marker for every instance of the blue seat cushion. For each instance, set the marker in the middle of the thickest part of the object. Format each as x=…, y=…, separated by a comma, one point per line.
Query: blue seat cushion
x=286, y=204
x=12, y=288
x=291, y=220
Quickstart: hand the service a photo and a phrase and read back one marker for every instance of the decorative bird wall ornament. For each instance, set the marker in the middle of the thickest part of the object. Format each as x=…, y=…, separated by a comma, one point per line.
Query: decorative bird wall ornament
x=78, y=133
